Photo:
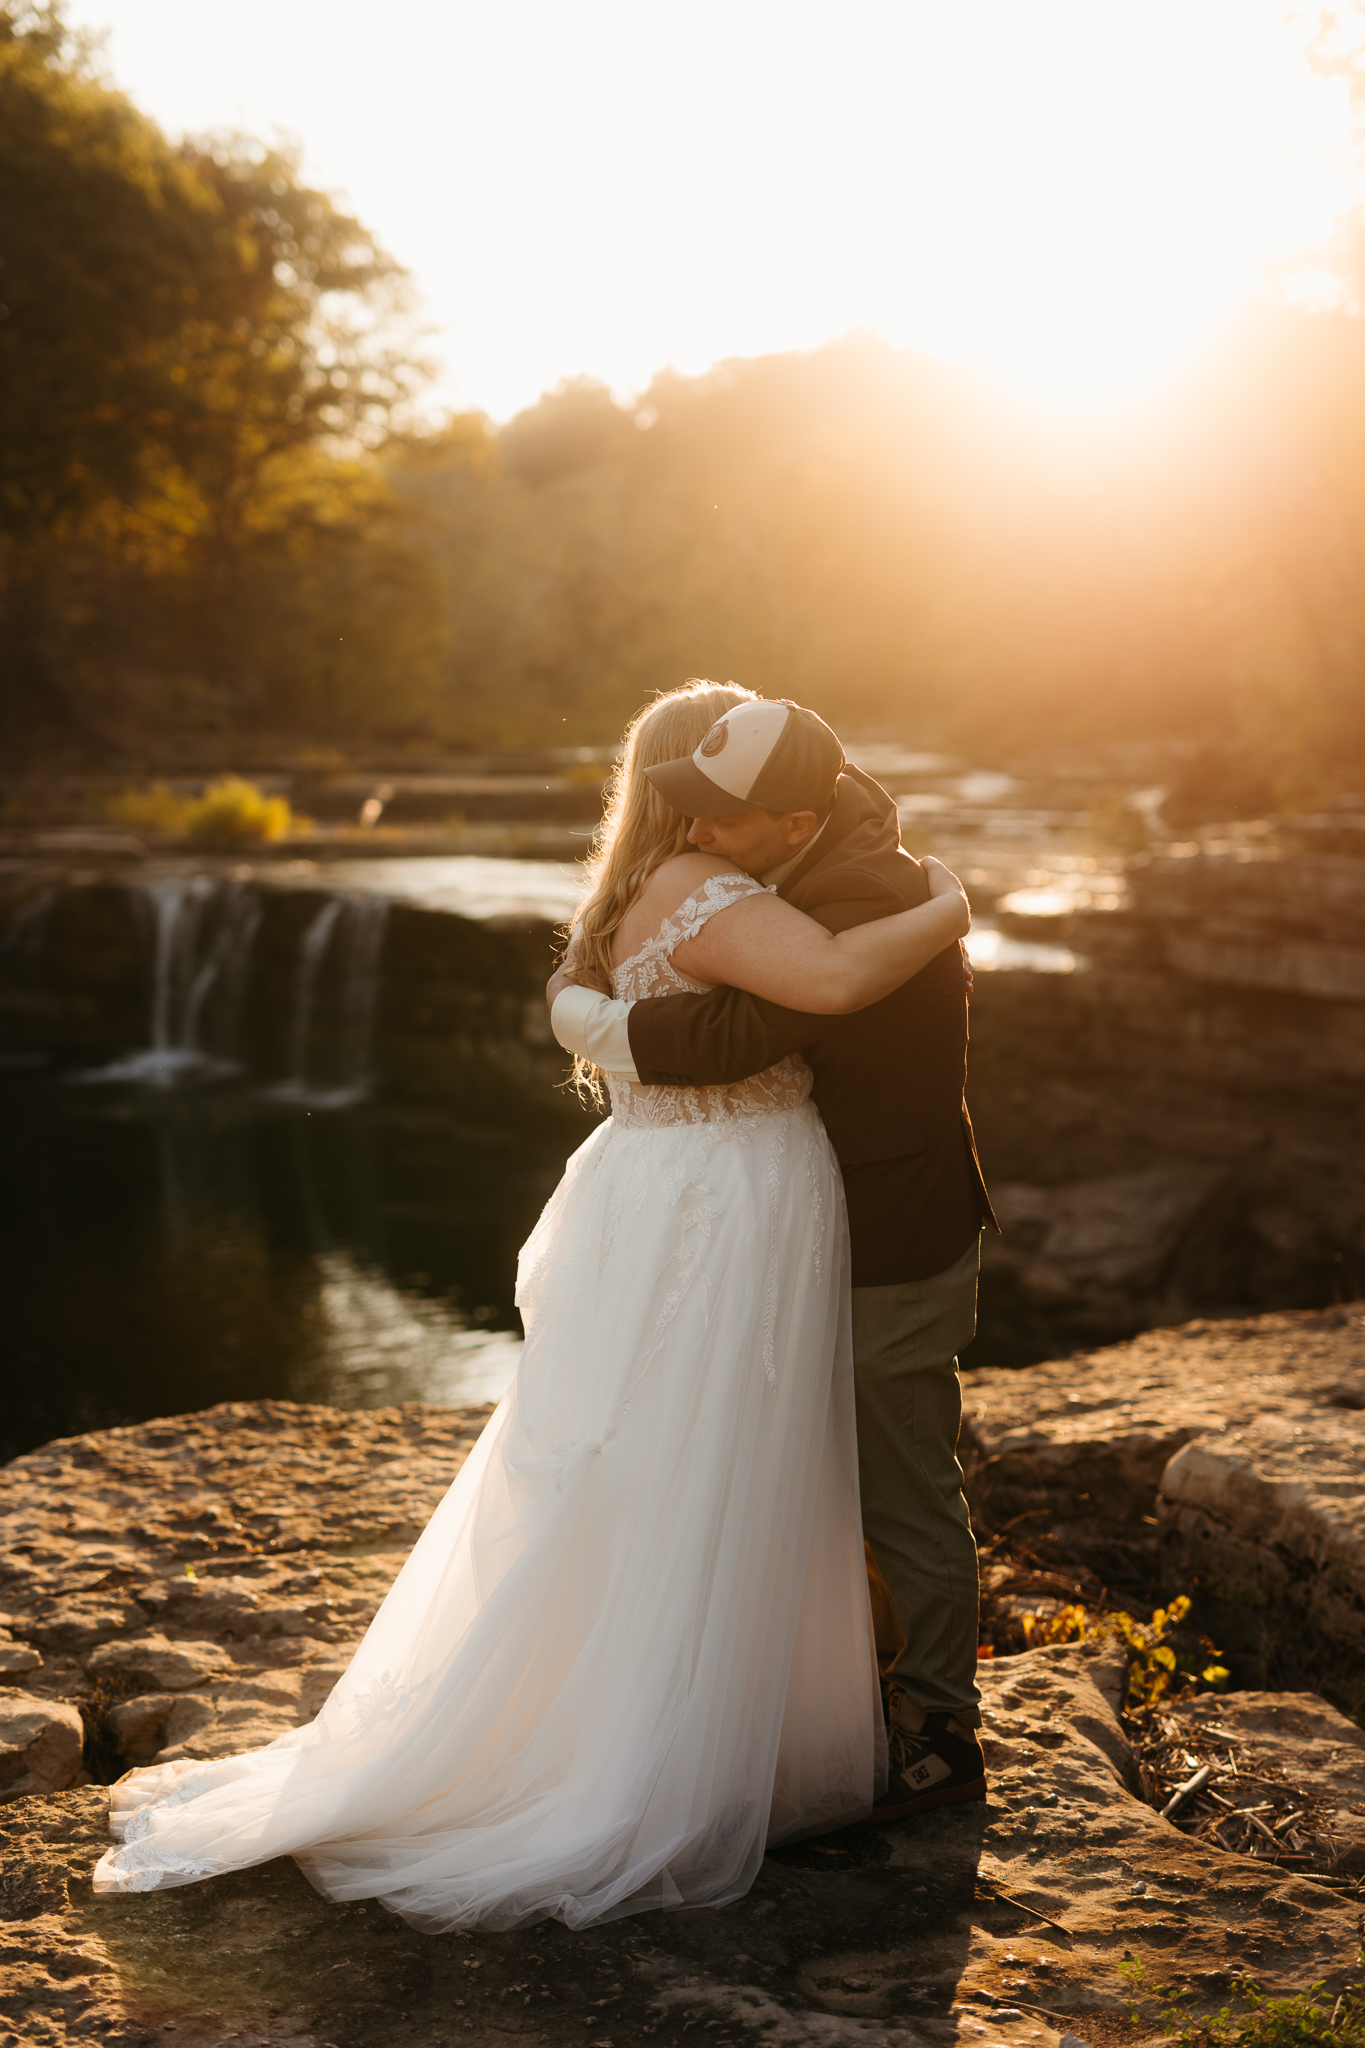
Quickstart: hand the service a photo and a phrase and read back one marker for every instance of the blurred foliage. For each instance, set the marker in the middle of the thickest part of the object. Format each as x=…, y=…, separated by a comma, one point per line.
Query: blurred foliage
x=219, y=517
x=197, y=355
x=231, y=812
x=154, y=809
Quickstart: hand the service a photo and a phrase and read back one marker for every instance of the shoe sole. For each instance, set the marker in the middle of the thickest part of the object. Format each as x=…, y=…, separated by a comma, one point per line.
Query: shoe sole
x=947, y=1795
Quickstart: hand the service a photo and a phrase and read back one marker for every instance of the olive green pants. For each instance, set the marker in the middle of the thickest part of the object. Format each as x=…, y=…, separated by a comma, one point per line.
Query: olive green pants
x=919, y=1533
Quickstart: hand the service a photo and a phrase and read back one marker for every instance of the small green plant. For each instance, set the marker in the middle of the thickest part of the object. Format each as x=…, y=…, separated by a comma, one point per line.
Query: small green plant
x=1305, y=2019
x=1155, y=1666
x=231, y=812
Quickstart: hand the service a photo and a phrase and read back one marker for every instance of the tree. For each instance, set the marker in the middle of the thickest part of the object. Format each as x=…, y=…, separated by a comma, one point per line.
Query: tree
x=195, y=348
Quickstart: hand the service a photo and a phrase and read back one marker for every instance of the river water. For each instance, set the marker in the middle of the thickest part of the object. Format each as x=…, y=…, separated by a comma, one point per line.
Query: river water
x=181, y=1231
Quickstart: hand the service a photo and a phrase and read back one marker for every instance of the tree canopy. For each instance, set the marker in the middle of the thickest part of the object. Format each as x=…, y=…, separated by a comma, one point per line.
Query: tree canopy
x=218, y=516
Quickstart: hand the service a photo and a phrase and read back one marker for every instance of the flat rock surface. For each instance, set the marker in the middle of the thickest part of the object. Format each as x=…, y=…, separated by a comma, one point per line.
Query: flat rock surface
x=194, y=1587
x=1018, y=1920
x=1103, y=1424
x=218, y=1568
x=1128, y=1408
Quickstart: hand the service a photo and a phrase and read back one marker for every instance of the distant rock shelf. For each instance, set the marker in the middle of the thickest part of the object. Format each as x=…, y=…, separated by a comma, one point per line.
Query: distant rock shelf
x=193, y=1587
x=1181, y=1127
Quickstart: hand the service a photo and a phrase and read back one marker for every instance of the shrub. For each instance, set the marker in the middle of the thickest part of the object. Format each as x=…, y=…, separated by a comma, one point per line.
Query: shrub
x=156, y=809
x=231, y=812
x=1154, y=1665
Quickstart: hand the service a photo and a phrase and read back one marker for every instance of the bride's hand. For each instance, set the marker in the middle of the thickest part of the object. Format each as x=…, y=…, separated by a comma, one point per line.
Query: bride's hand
x=942, y=880
x=563, y=976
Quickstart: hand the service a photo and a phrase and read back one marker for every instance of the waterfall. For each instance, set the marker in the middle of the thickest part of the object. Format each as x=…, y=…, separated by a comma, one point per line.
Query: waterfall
x=369, y=918
x=203, y=933
x=341, y=946
x=313, y=984
x=312, y=951
x=26, y=932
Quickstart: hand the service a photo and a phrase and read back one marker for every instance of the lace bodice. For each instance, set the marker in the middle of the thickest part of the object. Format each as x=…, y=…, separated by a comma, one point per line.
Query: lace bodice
x=651, y=972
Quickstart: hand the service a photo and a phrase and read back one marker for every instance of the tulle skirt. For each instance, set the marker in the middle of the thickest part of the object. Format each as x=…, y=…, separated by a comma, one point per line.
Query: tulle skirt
x=633, y=1644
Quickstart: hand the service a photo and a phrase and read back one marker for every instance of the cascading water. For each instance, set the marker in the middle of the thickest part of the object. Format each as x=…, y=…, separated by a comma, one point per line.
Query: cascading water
x=312, y=953
x=341, y=944
x=203, y=935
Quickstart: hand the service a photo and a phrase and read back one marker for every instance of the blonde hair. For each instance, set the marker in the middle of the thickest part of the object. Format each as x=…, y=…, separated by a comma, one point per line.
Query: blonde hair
x=639, y=831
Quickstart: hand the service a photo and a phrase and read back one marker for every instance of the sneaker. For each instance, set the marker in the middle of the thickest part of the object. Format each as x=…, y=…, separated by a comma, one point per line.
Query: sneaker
x=933, y=1768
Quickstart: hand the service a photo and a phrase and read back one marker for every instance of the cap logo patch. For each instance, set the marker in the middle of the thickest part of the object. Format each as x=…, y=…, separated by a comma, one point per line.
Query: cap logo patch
x=715, y=739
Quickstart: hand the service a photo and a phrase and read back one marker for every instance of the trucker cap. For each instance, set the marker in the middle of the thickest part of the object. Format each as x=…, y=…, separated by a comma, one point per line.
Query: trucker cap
x=761, y=756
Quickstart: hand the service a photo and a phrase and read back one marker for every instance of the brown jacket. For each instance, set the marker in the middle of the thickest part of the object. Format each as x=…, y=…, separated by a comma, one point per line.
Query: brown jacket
x=888, y=1079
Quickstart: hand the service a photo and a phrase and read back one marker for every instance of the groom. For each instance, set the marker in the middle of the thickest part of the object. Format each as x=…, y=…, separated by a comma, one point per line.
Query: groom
x=770, y=792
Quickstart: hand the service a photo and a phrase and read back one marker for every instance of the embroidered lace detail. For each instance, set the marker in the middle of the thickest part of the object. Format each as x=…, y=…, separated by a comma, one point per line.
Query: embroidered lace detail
x=382, y=1701
x=142, y=1861
x=651, y=972
x=141, y=1867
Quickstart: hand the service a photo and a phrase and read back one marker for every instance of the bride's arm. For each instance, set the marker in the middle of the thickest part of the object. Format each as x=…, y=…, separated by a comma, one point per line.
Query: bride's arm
x=773, y=950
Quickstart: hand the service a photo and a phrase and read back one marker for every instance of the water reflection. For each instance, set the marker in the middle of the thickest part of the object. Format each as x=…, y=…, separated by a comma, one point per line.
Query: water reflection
x=170, y=1251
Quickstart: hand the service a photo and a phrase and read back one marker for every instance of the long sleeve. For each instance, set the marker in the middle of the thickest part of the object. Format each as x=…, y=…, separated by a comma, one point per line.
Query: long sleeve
x=594, y=1027
x=721, y=1035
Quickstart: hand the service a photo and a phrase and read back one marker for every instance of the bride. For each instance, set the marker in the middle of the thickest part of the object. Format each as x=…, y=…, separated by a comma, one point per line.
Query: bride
x=633, y=1644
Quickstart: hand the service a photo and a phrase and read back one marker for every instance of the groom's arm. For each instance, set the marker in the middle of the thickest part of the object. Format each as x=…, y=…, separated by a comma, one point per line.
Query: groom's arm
x=724, y=1034
x=719, y=1035
x=701, y=1040
x=684, y=1040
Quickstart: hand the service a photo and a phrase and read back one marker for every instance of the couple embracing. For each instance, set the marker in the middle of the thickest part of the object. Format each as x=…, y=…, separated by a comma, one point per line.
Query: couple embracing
x=707, y=1581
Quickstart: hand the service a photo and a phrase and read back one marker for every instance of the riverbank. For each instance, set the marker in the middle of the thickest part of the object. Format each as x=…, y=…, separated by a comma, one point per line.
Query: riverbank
x=194, y=1586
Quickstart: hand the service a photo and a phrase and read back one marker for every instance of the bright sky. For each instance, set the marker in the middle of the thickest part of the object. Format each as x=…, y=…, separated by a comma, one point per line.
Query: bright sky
x=1071, y=195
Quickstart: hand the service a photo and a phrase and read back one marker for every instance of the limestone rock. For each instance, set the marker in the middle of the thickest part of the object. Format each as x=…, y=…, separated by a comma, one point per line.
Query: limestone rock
x=1271, y=1517
x=1104, y=1424
x=40, y=1745
x=1117, y=1231
x=137, y=1727
x=17, y=1660
x=226, y=1561
x=152, y=1660
x=248, y=1548
x=922, y=1936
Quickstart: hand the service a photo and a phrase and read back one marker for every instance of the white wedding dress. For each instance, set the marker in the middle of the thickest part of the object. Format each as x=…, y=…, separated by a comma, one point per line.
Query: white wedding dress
x=633, y=1644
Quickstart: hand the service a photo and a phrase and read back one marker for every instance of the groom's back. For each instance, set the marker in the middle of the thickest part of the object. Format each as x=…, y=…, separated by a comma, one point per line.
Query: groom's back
x=888, y=1079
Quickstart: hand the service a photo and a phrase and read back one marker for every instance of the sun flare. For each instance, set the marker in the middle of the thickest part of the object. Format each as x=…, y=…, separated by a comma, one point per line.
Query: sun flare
x=1068, y=195
x=1110, y=184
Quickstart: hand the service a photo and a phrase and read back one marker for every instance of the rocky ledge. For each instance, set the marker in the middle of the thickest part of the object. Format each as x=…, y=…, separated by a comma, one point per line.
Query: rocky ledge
x=1239, y=1445
x=193, y=1587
